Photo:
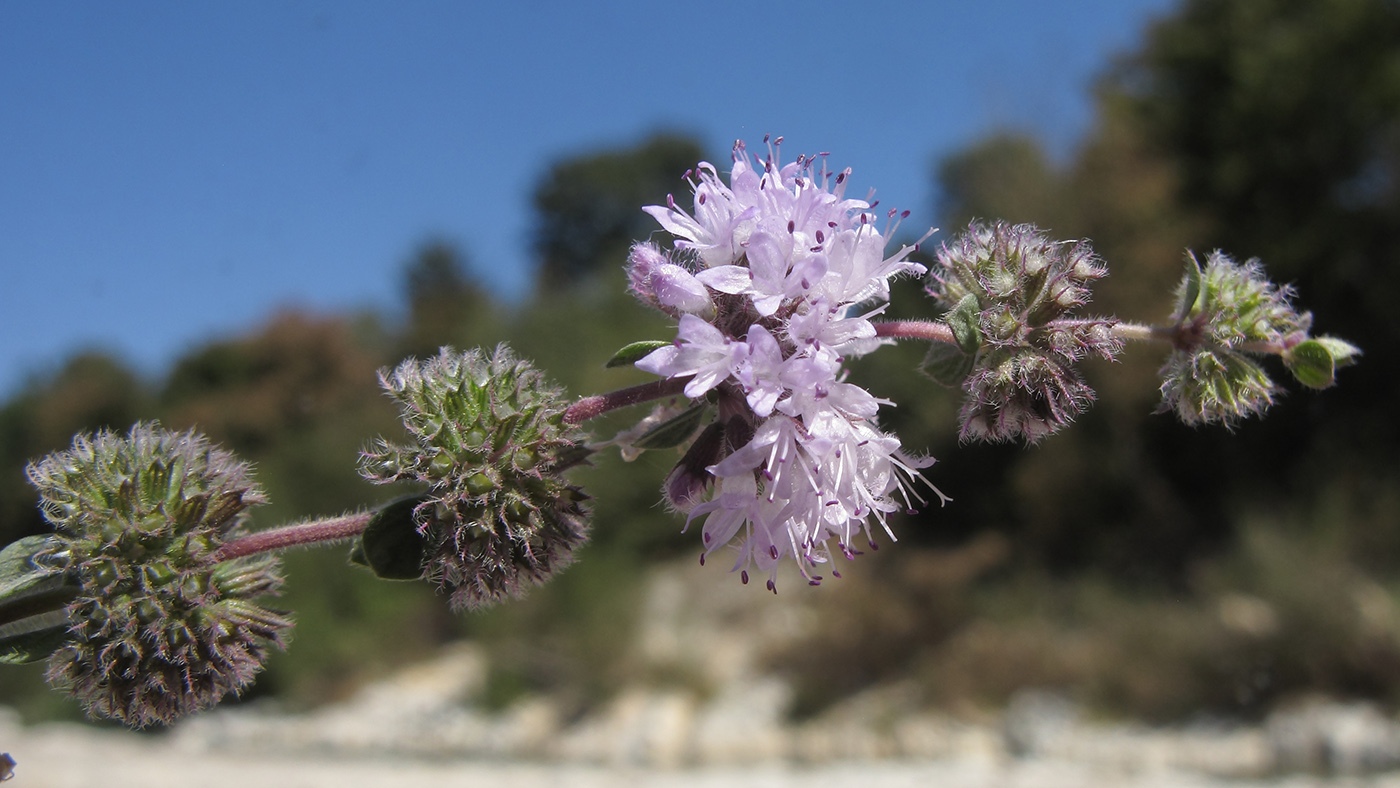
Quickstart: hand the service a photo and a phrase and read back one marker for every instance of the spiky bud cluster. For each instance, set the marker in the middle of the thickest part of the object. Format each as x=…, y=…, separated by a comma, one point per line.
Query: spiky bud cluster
x=1010, y=291
x=490, y=441
x=1225, y=311
x=158, y=629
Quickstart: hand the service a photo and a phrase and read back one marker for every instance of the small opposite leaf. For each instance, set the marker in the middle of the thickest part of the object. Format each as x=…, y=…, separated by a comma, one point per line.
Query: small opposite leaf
x=1312, y=363
x=947, y=365
x=18, y=572
x=33, y=602
x=635, y=352
x=33, y=638
x=1343, y=352
x=964, y=320
x=390, y=546
x=1193, y=294
x=674, y=431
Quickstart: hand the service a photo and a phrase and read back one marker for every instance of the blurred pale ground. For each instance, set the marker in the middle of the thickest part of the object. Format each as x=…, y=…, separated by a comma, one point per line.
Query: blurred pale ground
x=427, y=724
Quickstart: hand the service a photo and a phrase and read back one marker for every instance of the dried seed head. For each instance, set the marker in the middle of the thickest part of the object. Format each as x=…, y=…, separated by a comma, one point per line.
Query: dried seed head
x=489, y=440
x=157, y=630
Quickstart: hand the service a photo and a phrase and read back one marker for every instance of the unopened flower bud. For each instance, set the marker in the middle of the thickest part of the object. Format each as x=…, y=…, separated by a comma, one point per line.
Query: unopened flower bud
x=1023, y=382
x=498, y=516
x=1224, y=311
x=158, y=629
x=663, y=284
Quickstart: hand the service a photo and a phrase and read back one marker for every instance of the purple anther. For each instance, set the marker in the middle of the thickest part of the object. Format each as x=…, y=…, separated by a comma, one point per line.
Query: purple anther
x=772, y=586
x=744, y=576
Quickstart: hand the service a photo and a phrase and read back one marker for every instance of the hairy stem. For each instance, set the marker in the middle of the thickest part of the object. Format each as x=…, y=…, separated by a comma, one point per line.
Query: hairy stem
x=331, y=529
x=1137, y=332
x=916, y=329
x=592, y=407
x=1189, y=336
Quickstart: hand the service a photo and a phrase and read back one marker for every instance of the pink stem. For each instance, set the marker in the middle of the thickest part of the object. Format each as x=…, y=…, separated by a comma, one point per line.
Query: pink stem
x=592, y=407
x=330, y=529
x=916, y=329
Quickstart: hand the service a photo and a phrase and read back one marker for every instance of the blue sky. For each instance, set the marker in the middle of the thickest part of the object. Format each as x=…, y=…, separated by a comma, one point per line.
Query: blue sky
x=172, y=172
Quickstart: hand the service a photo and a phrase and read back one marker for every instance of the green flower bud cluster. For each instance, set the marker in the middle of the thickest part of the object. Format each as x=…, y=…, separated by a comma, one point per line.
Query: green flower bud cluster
x=1009, y=291
x=157, y=629
x=1224, y=312
x=490, y=441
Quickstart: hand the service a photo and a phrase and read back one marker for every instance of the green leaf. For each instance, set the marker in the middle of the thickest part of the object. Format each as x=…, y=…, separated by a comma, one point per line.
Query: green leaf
x=391, y=546
x=964, y=320
x=674, y=431
x=33, y=602
x=33, y=638
x=1344, y=353
x=1193, y=295
x=947, y=365
x=635, y=352
x=1312, y=363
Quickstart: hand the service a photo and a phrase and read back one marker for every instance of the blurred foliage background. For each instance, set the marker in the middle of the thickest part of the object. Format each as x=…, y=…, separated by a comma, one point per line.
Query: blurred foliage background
x=1147, y=568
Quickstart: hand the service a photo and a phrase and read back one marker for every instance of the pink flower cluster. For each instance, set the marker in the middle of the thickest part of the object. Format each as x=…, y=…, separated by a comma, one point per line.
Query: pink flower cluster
x=770, y=274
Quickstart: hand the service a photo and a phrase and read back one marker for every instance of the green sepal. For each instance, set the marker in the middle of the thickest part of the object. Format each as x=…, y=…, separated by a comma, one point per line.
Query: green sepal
x=391, y=546
x=33, y=602
x=1314, y=362
x=635, y=352
x=674, y=431
x=947, y=365
x=964, y=319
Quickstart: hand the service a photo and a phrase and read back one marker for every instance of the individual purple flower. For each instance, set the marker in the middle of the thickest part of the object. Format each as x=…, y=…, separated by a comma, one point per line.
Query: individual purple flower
x=701, y=352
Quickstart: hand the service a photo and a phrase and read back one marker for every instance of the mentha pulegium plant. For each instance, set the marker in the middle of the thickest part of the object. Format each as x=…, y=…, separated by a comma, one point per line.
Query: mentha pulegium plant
x=145, y=600
x=158, y=627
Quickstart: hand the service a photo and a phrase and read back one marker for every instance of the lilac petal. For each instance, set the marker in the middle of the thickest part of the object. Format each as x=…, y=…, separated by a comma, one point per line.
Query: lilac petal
x=731, y=279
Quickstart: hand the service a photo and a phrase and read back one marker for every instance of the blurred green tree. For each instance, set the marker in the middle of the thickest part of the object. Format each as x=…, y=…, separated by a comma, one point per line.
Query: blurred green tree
x=445, y=306
x=588, y=208
x=91, y=391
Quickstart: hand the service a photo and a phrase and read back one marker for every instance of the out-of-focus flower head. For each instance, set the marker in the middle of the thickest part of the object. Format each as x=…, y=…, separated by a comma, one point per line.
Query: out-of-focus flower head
x=1225, y=312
